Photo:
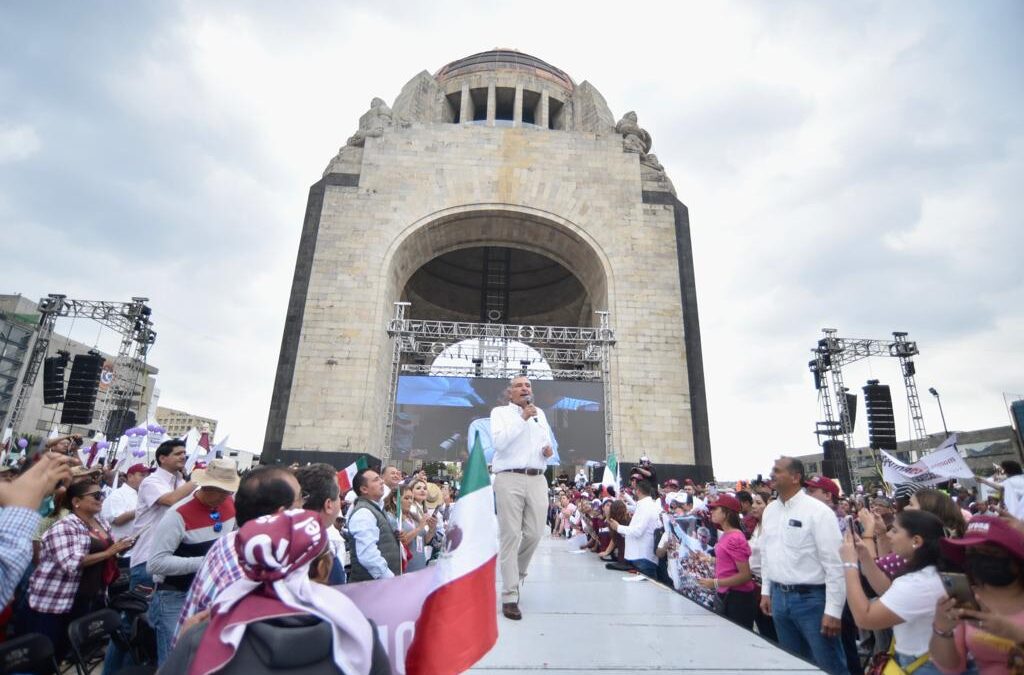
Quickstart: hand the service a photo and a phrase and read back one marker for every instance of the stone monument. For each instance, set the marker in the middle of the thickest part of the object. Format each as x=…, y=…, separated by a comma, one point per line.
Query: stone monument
x=496, y=156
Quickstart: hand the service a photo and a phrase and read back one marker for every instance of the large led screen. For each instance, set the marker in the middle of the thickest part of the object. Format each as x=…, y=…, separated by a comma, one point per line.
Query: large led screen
x=437, y=418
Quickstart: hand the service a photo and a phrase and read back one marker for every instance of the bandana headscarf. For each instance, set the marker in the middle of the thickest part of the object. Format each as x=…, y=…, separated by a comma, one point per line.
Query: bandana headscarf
x=274, y=553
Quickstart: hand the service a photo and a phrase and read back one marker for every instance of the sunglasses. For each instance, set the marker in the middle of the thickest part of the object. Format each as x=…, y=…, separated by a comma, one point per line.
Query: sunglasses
x=98, y=496
x=215, y=517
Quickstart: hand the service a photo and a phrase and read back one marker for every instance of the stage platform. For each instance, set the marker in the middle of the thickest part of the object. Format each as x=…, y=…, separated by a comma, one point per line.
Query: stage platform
x=579, y=617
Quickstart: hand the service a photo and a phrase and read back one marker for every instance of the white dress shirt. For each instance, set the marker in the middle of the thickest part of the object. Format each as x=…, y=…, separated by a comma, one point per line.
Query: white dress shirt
x=800, y=545
x=120, y=501
x=1013, y=495
x=364, y=530
x=148, y=513
x=639, y=534
x=518, y=443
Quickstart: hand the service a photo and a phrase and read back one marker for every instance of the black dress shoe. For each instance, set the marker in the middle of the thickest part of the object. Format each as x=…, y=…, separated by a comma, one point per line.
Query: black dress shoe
x=511, y=611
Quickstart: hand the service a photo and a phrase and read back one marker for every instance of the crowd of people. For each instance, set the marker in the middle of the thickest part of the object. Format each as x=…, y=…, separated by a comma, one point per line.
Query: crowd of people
x=921, y=580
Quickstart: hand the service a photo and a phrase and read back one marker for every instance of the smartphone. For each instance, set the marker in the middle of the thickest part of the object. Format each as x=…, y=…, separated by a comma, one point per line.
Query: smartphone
x=850, y=524
x=959, y=588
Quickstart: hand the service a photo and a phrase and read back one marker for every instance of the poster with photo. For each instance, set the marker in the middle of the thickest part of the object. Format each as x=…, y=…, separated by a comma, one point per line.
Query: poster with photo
x=691, y=558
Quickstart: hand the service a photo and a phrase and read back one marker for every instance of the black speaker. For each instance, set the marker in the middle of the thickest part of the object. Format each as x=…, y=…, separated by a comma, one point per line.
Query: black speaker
x=53, y=377
x=881, y=421
x=120, y=420
x=80, y=399
x=851, y=408
x=834, y=465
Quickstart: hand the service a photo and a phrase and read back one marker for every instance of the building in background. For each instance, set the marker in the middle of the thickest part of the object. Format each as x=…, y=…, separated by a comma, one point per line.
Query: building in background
x=178, y=422
x=18, y=316
x=981, y=449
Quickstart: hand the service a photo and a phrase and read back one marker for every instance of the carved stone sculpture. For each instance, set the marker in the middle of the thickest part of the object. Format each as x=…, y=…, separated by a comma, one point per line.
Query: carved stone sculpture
x=634, y=139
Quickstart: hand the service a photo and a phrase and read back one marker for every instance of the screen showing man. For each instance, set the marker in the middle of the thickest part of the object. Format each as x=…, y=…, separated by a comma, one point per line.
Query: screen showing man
x=440, y=418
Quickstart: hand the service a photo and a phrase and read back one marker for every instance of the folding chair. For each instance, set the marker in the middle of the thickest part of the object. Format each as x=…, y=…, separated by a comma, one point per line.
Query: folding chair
x=89, y=636
x=32, y=653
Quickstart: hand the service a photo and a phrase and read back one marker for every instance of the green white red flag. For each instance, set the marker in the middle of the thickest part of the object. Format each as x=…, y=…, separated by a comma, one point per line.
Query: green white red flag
x=348, y=474
x=443, y=619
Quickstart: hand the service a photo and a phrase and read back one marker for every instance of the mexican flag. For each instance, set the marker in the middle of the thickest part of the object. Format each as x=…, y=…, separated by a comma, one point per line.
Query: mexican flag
x=348, y=474
x=459, y=622
x=611, y=474
x=443, y=619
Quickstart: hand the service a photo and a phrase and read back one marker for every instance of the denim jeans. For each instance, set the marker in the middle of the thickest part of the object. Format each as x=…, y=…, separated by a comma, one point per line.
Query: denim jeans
x=164, y=610
x=138, y=575
x=926, y=668
x=797, y=618
x=645, y=567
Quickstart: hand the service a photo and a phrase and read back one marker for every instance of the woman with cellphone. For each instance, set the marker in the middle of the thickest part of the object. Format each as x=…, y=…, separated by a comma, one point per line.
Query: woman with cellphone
x=908, y=606
x=733, y=580
x=78, y=561
x=983, y=619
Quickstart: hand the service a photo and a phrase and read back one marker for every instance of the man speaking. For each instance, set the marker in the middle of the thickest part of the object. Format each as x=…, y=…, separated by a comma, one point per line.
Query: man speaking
x=522, y=444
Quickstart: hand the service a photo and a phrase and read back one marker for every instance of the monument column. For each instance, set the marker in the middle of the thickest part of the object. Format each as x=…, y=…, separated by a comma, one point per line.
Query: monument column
x=466, y=109
x=517, y=108
x=492, y=104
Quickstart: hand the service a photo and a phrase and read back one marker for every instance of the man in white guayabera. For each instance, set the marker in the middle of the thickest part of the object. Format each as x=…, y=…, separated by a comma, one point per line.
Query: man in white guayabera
x=522, y=445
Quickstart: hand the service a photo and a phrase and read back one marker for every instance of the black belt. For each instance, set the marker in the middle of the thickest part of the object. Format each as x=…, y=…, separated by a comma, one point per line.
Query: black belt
x=528, y=472
x=798, y=588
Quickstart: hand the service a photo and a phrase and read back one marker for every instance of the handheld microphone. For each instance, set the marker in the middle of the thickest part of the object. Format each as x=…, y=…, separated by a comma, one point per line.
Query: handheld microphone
x=529, y=401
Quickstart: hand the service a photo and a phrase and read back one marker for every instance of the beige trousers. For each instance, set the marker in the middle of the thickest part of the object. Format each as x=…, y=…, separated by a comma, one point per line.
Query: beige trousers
x=522, y=503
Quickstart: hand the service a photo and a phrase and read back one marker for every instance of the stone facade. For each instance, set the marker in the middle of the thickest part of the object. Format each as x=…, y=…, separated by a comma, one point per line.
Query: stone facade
x=424, y=178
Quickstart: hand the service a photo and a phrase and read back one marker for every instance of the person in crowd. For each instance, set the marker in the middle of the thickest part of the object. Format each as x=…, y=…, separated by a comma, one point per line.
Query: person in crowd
x=291, y=621
x=322, y=494
x=881, y=570
x=20, y=500
x=262, y=491
x=158, y=492
x=566, y=509
x=908, y=606
x=646, y=472
x=764, y=622
x=183, y=537
x=733, y=581
x=696, y=502
x=523, y=442
x=803, y=586
x=639, y=533
x=826, y=491
x=76, y=565
x=747, y=519
x=392, y=477
x=412, y=527
x=373, y=546
x=991, y=553
x=120, y=504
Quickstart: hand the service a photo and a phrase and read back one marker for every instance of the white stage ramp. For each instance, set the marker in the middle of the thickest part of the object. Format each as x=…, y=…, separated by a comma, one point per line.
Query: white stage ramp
x=579, y=617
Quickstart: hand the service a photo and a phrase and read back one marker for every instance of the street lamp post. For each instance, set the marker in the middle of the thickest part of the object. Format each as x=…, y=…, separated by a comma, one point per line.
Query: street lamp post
x=931, y=390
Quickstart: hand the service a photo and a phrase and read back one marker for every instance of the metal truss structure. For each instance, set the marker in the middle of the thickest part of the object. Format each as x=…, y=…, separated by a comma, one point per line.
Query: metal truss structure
x=834, y=352
x=573, y=353
x=131, y=320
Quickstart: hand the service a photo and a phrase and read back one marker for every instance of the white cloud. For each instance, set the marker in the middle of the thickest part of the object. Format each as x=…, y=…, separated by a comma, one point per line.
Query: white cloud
x=17, y=142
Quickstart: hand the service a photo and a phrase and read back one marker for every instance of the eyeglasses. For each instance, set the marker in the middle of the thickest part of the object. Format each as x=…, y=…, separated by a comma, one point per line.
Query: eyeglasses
x=215, y=517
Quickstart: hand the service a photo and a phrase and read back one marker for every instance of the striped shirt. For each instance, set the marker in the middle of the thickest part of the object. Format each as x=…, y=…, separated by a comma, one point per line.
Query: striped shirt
x=183, y=537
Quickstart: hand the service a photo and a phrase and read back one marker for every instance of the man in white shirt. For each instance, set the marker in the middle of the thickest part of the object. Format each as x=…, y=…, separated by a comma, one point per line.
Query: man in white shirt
x=522, y=445
x=639, y=534
x=803, y=585
x=119, y=506
x=157, y=493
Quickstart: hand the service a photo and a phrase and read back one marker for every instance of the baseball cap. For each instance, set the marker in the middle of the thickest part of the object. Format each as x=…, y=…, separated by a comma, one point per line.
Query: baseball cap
x=823, y=483
x=138, y=468
x=984, y=530
x=726, y=501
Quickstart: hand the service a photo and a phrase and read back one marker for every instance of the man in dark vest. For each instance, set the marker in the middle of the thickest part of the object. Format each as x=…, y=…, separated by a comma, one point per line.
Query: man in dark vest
x=372, y=542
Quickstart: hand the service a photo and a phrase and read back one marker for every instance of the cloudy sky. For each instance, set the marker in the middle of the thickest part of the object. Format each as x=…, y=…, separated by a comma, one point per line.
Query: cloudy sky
x=857, y=165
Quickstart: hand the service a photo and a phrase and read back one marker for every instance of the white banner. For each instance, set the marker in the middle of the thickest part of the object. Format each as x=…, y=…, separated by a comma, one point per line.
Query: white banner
x=936, y=467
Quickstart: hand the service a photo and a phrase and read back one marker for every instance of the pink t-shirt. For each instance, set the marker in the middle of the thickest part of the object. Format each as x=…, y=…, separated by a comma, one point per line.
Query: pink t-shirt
x=732, y=547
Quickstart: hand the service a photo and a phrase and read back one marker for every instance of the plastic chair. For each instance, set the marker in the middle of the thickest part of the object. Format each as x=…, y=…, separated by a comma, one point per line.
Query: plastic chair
x=32, y=653
x=89, y=636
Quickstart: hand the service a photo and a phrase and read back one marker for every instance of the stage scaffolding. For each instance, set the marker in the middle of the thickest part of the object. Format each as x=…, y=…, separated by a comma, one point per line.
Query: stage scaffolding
x=577, y=353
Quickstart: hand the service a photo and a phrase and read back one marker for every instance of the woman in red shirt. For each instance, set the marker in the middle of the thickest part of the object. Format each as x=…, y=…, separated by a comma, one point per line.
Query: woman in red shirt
x=733, y=580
